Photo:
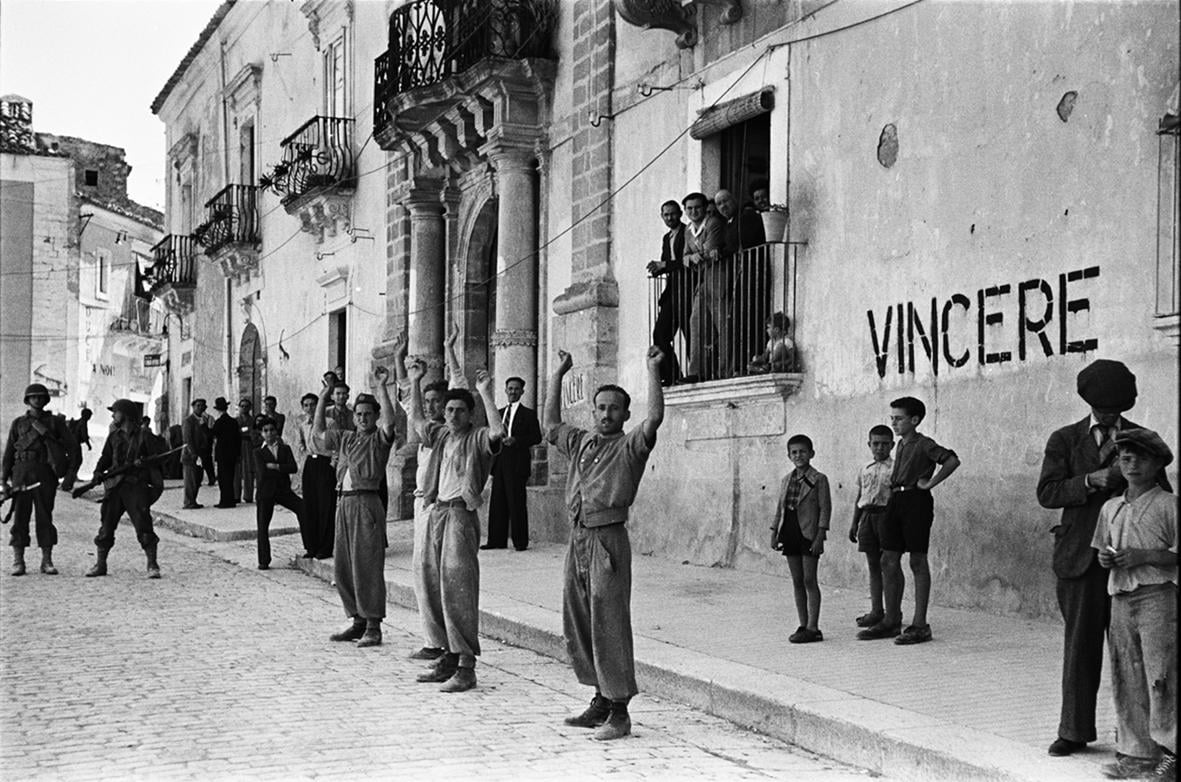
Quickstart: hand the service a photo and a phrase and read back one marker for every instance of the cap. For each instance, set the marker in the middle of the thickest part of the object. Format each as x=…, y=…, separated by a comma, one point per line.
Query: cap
x=221, y=404
x=1108, y=386
x=367, y=399
x=1147, y=441
x=125, y=406
x=198, y=401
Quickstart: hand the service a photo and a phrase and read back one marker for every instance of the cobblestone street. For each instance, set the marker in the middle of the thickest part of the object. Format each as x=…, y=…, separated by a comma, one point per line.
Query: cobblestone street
x=221, y=671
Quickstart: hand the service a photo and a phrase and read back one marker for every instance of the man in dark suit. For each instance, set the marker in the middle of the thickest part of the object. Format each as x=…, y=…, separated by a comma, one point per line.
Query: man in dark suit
x=675, y=304
x=1079, y=474
x=750, y=279
x=508, y=512
x=196, y=441
x=274, y=465
x=227, y=447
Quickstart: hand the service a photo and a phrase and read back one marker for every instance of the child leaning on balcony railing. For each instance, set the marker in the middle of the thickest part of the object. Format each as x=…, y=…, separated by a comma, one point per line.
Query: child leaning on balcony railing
x=780, y=355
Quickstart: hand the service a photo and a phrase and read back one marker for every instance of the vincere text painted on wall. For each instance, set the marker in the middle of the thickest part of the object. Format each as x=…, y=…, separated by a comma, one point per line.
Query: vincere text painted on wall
x=1036, y=315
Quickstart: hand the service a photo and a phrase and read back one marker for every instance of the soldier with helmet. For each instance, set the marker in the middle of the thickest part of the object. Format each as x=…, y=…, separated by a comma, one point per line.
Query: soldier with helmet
x=132, y=491
x=39, y=450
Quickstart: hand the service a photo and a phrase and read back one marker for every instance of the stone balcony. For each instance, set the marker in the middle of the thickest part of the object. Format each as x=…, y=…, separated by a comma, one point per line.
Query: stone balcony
x=230, y=233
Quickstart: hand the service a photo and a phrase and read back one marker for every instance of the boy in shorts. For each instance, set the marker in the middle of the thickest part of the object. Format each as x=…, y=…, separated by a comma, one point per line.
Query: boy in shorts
x=1136, y=537
x=801, y=525
x=907, y=528
x=869, y=513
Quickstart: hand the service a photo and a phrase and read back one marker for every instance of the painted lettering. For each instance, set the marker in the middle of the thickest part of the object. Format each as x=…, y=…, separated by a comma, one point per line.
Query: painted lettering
x=1073, y=306
x=881, y=350
x=1026, y=324
x=984, y=319
x=956, y=300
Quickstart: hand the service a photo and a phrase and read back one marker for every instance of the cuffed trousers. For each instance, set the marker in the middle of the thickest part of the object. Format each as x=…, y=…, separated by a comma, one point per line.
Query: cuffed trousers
x=191, y=471
x=596, y=609
x=451, y=580
x=1143, y=646
x=263, y=513
x=359, y=564
x=318, y=483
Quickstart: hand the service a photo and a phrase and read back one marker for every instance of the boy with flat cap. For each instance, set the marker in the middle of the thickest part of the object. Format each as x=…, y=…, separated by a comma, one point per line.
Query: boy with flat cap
x=1079, y=474
x=1136, y=541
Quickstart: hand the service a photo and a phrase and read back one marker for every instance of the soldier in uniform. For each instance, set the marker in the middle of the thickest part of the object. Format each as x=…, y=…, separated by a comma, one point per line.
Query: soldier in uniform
x=39, y=449
x=133, y=491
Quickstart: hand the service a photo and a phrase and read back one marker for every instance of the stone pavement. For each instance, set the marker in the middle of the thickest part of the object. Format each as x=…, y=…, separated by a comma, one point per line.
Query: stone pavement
x=219, y=671
x=980, y=701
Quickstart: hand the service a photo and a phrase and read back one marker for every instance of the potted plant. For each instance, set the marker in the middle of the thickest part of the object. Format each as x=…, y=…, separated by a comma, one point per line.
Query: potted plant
x=775, y=223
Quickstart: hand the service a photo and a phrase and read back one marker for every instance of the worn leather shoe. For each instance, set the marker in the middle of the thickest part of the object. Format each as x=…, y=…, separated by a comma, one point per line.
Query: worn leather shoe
x=594, y=716
x=372, y=637
x=914, y=634
x=869, y=620
x=1128, y=767
x=462, y=680
x=427, y=653
x=805, y=636
x=442, y=670
x=1063, y=747
x=351, y=633
x=880, y=630
x=618, y=725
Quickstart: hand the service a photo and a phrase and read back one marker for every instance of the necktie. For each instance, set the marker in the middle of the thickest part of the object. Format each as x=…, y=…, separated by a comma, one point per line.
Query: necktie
x=1107, y=448
x=508, y=418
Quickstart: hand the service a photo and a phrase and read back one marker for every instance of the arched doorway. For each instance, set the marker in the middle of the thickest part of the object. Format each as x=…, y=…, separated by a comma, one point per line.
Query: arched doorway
x=252, y=367
x=479, y=299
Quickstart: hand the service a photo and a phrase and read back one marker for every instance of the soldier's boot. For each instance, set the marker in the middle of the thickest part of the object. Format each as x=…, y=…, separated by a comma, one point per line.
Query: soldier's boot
x=99, y=568
x=47, y=561
x=18, y=560
x=153, y=565
x=372, y=635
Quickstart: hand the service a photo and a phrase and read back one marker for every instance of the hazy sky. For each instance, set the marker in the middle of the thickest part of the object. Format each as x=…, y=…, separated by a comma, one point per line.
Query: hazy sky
x=92, y=68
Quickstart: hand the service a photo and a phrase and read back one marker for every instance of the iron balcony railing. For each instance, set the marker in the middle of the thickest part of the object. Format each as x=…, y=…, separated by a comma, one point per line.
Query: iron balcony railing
x=231, y=218
x=432, y=40
x=174, y=262
x=317, y=156
x=728, y=318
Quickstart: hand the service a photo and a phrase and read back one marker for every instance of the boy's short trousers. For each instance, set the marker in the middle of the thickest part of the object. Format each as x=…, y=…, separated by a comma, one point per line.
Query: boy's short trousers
x=870, y=529
x=907, y=525
x=793, y=541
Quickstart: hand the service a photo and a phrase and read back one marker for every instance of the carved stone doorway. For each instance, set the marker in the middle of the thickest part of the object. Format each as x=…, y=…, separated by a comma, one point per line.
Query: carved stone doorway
x=252, y=367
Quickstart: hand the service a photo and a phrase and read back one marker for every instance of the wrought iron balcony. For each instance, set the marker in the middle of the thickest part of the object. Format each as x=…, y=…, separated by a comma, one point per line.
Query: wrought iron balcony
x=316, y=158
x=432, y=40
x=174, y=263
x=231, y=219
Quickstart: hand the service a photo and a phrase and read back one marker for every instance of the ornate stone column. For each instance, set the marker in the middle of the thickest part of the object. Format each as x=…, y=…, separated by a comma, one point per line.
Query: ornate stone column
x=515, y=338
x=427, y=279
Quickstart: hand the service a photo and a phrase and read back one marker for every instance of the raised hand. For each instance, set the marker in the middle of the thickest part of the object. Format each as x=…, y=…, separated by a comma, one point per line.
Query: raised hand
x=380, y=374
x=416, y=369
x=655, y=356
x=400, y=344
x=483, y=381
x=565, y=361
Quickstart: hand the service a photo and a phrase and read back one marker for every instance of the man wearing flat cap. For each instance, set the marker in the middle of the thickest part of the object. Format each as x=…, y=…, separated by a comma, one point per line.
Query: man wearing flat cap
x=1079, y=474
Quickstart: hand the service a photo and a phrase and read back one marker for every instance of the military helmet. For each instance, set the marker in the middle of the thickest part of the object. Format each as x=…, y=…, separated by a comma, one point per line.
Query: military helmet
x=127, y=407
x=36, y=389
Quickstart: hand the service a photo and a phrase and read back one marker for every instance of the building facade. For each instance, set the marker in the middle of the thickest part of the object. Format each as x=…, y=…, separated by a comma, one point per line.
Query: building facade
x=978, y=200
x=75, y=250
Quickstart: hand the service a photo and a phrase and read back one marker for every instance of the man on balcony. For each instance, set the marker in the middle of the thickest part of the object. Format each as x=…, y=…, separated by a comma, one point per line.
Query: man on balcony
x=748, y=278
x=704, y=253
x=673, y=308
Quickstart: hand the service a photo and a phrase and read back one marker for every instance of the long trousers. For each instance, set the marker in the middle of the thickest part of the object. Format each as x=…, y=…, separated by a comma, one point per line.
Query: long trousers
x=1085, y=608
x=264, y=511
x=131, y=497
x=319, y=504
x=434, y=633
x=451, y=572
x=225, y=481
x=207, y=466
x=596, y=609
x=36, y=504
x=191, y=472
x=244, y=475
x=1143, y=646
x=508, y=509
x=359, y=563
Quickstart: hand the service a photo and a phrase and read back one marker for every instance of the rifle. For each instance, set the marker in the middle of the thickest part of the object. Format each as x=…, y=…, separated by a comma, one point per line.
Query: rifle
x=122, y=468
x=5, y=496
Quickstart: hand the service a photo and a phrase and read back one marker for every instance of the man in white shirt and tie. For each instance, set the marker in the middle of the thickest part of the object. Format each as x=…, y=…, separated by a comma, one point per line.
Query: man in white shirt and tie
x=508, y=514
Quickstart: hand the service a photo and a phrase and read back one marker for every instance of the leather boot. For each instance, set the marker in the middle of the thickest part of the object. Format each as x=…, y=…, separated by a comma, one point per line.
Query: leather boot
x=100, y=563
x=350, y=633
x=372, y=636
x=18, y=560
x=594, y=716
x=47, y=561
x=442, y=670
x=618, y=725
x=153, y=565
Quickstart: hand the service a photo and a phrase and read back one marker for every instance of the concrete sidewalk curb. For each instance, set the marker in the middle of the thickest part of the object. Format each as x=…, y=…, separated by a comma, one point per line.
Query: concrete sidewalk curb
x=206, y=532
x=884, y=739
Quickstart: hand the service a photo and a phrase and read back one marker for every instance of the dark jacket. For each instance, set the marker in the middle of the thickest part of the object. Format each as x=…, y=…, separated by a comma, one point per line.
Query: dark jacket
x=227, y=440
x=1071, y=453
x=527, y=431
x=122, y=448
x=271, y=482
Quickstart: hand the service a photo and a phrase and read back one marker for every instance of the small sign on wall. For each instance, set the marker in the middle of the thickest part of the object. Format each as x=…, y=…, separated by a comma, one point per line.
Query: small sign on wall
x=152, y=360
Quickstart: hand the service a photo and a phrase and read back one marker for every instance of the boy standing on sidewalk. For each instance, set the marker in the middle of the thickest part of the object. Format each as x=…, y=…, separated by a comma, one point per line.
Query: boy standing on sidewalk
x=869, y=514
x=605, y=471
x=1136, y=537
x=801, y=525
x=909, y=515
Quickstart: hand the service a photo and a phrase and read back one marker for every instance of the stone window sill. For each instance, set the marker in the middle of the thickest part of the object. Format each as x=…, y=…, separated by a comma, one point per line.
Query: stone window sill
x=752, y=388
